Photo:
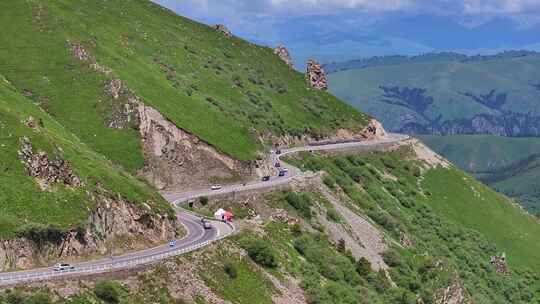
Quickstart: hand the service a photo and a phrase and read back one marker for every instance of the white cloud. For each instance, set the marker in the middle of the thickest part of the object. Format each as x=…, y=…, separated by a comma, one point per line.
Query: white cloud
x=500, y=6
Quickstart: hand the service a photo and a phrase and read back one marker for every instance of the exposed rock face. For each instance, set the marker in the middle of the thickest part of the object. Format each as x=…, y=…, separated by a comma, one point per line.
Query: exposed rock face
x=46, y=171
x=455, y=293
x=425, y=154
x=499, y=262
x=114, y=88
x=125, y=110
x=114, y=218
x=315, y=75
x=30, y=122
x=374, y=130
x=362, y=238
x=79, y=52
x=284, y=54
x=174, y=158
x=178, y=159
x=223, y=29
x=281, y=215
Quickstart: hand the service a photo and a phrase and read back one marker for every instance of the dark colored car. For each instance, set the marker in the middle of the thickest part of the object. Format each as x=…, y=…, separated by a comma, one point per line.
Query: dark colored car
x=278, y=164
x=278, y=152
x=266, y=178
x=282, y=172
x=206, y=224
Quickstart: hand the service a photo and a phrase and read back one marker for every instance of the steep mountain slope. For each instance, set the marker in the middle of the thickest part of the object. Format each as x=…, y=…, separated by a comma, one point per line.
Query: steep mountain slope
x=89, y=63
x=507, y=164
x=446, y=93
x=97, y=93
x=59, y=199
x=519, y=180
x=405, y=207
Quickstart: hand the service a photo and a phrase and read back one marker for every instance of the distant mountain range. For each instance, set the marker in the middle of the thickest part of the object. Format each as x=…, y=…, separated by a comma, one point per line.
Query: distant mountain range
x=342, y=37
x=446, y=93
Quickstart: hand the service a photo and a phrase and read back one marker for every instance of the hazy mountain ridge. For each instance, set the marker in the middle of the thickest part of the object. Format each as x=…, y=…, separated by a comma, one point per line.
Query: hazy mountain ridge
x=446, y=93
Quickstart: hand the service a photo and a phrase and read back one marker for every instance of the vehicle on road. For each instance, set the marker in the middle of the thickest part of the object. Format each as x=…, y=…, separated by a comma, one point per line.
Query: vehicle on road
x=278, y=152
x=63, y=267
x=282, y=172
x=172, y=243
x=278, y=164
x=206, y=223
x=216, y=187
x=266, y=178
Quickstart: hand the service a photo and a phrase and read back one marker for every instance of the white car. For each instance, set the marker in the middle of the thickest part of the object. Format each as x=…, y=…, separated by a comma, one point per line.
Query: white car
x=216, y=187
x=63, y=267
x=172, y=243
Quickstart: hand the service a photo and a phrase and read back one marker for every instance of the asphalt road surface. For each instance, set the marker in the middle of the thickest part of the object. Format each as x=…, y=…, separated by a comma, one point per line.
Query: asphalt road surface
x=281, y=180
x=196, y=236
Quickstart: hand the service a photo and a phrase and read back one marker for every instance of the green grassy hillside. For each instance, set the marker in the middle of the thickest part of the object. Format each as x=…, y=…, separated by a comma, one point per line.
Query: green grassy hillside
x=226, y=91
x=519, y=180
x=460, y=198
x=441, y=94
x=482, y=153
x=24, y=205
x=446, y=213
x=509, y=165
x=453, y=225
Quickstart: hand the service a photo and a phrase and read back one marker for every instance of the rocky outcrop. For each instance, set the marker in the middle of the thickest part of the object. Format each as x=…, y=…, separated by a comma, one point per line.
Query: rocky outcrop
x=174, y=159
x=281, y=215
x=374, y=130
x=455, y=293
x=284, y=54
x=363, y=239
x=79, y=52
x=44, y=170
x=179, y=159
x=223, y=30
x=113, y=219
x=426, y=155
x=315, y=75
x=30, y=123
x=499, y=262
x=124, y=112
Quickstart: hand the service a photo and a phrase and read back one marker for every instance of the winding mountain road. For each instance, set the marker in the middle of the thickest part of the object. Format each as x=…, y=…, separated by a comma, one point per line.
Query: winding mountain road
x=196, y=236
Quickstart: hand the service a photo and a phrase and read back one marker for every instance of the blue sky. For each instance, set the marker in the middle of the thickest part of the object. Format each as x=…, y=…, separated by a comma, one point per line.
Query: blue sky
x=333, y=30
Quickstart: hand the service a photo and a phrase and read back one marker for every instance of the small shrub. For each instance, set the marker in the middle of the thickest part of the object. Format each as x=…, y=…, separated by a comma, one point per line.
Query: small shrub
x=261, y=253
x=296, y=229
x=363, y=267
x=107, y=291
x=329, y=181
x=301, y=202
x=230, y=270
x=333, y=215
x=391, y=258
x=38, y=298
x=341, y=246
x=203, y=200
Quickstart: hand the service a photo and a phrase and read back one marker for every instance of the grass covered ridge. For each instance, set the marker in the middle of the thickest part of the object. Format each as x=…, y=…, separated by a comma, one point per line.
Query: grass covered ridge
x=226, y=91
x=450, y=219
x=509, y=165
x=23, y=204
